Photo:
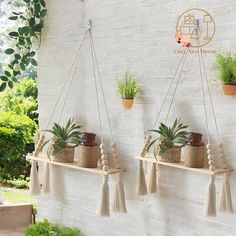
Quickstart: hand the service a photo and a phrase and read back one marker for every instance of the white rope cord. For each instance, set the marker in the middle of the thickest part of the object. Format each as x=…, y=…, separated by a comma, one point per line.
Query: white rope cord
x=176, y=86
x=101, y=85
x=73, y=77
x=204, y=97
x=168, y=91
x=210, y=96
x=96, y=90
x=62, y=89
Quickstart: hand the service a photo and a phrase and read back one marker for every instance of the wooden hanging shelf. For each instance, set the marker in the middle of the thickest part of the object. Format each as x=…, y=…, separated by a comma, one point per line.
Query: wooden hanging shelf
x=74, y=165
x=151, y=158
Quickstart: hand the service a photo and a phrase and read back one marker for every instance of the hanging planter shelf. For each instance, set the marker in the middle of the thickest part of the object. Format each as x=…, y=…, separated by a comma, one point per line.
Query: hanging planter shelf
x=152, y=159
x=75, y=166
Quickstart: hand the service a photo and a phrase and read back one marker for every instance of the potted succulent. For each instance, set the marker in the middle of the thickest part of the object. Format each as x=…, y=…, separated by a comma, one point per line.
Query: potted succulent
x=168, y=144
x=226, y=64
x=64, y=140
x=128, y=90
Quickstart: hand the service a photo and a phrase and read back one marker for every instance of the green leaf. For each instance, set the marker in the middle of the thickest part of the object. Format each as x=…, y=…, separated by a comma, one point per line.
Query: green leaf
x=3, y=86
x=10, y=84
x=22, y=66
x=15, y=73
x=7, y=73
x=24, y=30
x=9, y=51
x=10, y=66
x=16, y=13
x=32, y=53
x=21, y=41
x=33, y=62
x=14, y=79
x=13, y=34
x=32, y=22
x=27, y=1
x=3, y=78
x=37, y=10
x=43, y=13
x=17, y=56
x=13, y=18
x=42, y=2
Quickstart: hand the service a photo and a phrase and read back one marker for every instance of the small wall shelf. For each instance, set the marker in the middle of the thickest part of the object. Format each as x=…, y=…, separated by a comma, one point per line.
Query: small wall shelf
x=75, y=166
x=150, y=158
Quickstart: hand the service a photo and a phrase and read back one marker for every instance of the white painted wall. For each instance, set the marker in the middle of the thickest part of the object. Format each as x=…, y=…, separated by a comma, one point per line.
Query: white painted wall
x=136, y=36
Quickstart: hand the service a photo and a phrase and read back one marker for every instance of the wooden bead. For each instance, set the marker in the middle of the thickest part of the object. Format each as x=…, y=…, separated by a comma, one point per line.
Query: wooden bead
x=105, y=168
x=102, y=146
x=104, y=157
x=212, y=168
x=103, y=152
x=208, y=146
x=211, y=163
x=210, y=157
x=105, y=162
x=149, y=137
x=113, y=145
x=114, y=151
x=209, y=152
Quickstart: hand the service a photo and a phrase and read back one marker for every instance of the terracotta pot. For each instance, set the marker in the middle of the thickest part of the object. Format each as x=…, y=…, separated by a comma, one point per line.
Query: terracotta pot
x=194, y=156
x=88, y=139
x=172, y=155
x=229, y=89
x=87, y=156
x=66, y=155
x=127, y=103
x=194, y=139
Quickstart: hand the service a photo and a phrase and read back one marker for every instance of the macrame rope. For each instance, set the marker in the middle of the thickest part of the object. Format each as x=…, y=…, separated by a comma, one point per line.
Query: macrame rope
x=210, y=96
x=102, y=89
x=96, y=89
x=73, y=77
x=62, y=89
x=176, y=86
x=169, y=88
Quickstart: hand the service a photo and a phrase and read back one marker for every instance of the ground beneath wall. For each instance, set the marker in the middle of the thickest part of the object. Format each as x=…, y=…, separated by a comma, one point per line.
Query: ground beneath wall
x=15, y=232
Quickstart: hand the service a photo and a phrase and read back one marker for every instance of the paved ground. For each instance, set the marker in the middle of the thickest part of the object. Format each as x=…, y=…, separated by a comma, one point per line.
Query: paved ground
x=16, y=232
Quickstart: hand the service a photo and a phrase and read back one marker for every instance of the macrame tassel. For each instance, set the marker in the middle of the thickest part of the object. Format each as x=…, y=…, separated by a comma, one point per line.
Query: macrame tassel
x=34, y=180
x=152, y=188
x=103, y=205
x=119, y=198
x=210, y=201
x=141, y=182
x=225, y=204
x=46, y=179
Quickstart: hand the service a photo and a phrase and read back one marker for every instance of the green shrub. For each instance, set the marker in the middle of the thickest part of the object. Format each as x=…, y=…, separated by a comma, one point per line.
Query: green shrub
x=16, y=137
x=21, y=182
x=45, y=228
x=22, y=99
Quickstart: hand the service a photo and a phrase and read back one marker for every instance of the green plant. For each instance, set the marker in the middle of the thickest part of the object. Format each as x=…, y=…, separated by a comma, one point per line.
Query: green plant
x=128, y=88
x=19, y=183
x=16, y=137
x=226, y=64
x=169, y=137
x=64, y=136
x=24, y=39
x=45, y=228
x=22, y=99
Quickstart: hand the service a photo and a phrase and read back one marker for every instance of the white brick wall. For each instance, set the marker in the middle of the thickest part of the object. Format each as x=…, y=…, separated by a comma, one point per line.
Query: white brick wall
x=136, y=36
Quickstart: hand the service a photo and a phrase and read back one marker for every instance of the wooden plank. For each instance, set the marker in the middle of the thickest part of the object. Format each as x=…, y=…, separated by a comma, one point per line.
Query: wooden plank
x=150, y=158
x=75, y=166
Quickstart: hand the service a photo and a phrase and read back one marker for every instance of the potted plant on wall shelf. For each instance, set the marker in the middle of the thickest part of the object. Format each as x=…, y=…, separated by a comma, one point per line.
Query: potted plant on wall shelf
x=64, y=140
x=226, y=64
x=168, y=145
x=128, y=90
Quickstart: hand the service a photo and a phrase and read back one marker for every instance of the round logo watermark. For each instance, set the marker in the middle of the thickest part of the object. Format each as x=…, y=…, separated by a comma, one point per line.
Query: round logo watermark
x=197, y=25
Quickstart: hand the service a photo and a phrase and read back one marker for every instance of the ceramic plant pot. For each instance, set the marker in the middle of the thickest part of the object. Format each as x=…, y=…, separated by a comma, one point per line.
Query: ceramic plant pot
x=194, y=156
x=194, y=139
x=66, y=155
x=88, y=139
x=127, y=103
x=172, y=155
x=229, y=89
x=87, y=156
